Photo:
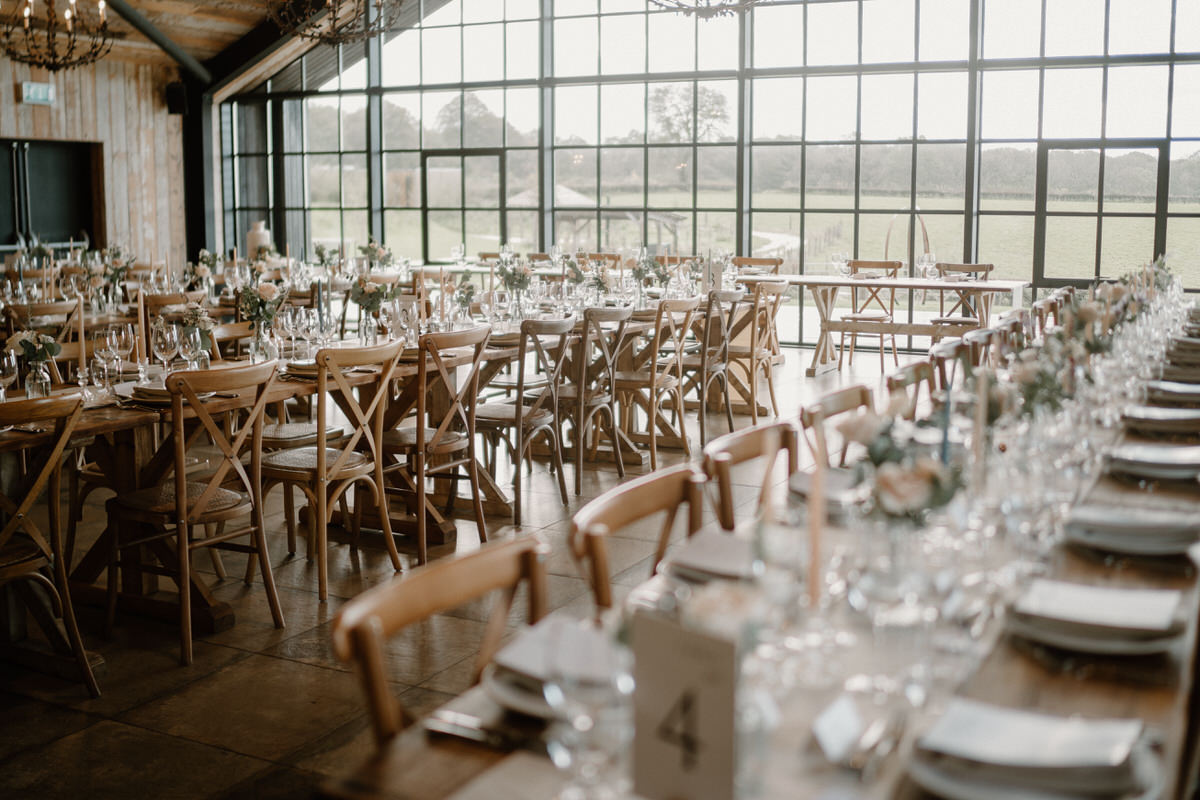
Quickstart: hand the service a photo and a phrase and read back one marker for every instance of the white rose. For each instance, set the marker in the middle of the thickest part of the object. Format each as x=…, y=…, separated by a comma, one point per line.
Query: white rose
x=203, y=271
x=903, y=491
x=862, y=428
x=268, y=291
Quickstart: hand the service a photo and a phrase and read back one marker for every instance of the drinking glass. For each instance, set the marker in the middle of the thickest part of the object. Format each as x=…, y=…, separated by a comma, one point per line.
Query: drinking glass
x=191, y=345
x=104, y=346
x=487, y=305
x=502, y=302
x=165, y=341
x=309, y=326
x=841, y=263
x=124, y=340
x=458, y=253
x=8, y=372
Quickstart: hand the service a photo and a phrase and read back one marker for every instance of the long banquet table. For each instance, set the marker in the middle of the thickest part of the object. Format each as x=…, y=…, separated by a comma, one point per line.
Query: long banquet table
x=1159, y=690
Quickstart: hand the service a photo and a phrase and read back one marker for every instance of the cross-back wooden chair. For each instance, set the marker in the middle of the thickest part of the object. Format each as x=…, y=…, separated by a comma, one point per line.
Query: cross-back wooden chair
x=870, y=304
x=588, y=396
x=768, y=265
x=325, y=473
x=708, y=364
x=815, y=419
x=443, y=440
x=751, y=350
x=1045, y=314
x=951, y=361
x=982, y=346
x=733, y=449
x=533, y=411
x=657, y=374
x=907, y=382
x=363, y=626
x=665, y=492
x=26, y=549
x=53, y=318
x=963, y=310
x=180, y=509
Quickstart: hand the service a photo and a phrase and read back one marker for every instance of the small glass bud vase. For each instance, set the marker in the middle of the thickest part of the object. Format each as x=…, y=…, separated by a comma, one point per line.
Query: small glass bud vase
x=37, y=382
x=368, y=333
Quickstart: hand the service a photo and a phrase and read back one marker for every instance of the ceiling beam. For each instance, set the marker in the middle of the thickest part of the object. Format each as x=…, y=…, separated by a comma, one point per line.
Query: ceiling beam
x=148, y=29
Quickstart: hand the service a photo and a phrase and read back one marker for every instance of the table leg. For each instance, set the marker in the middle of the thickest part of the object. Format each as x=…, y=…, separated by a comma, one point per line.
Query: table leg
x=825, y=354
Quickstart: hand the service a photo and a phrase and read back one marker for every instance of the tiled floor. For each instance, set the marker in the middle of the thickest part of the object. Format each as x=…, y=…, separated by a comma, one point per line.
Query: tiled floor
x=265, y=712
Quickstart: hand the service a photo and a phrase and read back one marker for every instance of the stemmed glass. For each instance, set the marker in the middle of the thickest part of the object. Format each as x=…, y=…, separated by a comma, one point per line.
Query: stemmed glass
x=8, y=372
x=458, y=252
x=124, y=340
x=191, y=345
x=104, y=346
x=308, y=325
x=165, y=342
x=841, y=263
x=502, y=303
x=404, y=320
x=487, y=305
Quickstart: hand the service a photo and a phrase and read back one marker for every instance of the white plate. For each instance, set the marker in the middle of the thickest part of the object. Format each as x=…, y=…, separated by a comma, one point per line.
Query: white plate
x=1132, y=543
x=512, y=695
x=1089, y=644
x=1155, y=472
x=954, y=788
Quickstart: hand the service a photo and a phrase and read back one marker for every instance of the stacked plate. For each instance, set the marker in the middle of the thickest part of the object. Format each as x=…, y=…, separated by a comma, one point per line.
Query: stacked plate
x=712, y=555
x=978, y=750
x=1098, y=620
x=154, y=393
x=1173, y=392
x=842, y=490
x=1183, y=373
x=1161, y=419
x=1133, y=531
x=1156, y=461
x=519, y=671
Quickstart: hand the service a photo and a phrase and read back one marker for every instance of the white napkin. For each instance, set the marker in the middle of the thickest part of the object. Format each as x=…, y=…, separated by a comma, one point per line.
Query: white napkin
x=717, y=554
x=557, y=646
x=1134, y=611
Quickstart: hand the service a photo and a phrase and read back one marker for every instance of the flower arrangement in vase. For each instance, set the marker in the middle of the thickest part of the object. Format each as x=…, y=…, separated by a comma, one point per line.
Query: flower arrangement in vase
x=37, y=349
x=376, y=254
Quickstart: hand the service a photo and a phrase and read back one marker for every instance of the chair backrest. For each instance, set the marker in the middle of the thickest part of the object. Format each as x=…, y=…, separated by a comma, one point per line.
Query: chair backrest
x=1044, y=312
x=603, y=337
x=365, y=623
x=976, y=272
x=720, y=313
x=365, y=418
x=723, y=454
x=912, y=377
x=227, y=332
x=458, y=415
x=816, y=416
x=535, y=258
x=979, y=342
x=57, y=315
x=771, y=265
x=43, y=470
x=757, y=330
x=950, y=360
x=546, y=339
x=675, y=259
x=663, y=491
x=489, y=256
x=611, y=259
x=889, y=269
x=185, y=388
x=672, y=323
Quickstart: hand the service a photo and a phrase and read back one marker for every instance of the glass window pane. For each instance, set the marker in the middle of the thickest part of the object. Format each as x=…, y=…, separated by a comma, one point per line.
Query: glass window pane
x=402, y=180
x=523, y=231
x=575, y=177
x=778, y=108
x=1185, y=111
x=824, y=235
x=322, y=129
x=566, y=8
x=402, y=59
x=887, y=33
x=482, y=177
x=575, y=111
x=778, y=30
x=354, y=181
x=716, y=177
x=883, y=236
x=522, y=116
x=621, y=232
x=1183, y=249
x=1130, y=180
x=944, y=30
x=1010, y=105
x=941, y=175
x=1070, y=247
x=1007, y=242
x=776, y=236
x=887, y=106
x=1012, y=28
x=485, y=46
x=483, y=231
x=945, y=233
x=324, y=181
x=715, y=230
x=1071, y=107
x=669, y=177
x=402, y=121
x=942, y=105
x=482, y=11
x=521, y=179
x=443, y=179
x=522, y=55
x=438, y=13
x=254, y=181
x=354, y=229
x=1187, y=26
x=671, y=112
x=623, y=44
x=622, y=177
x=402, y=233
x=483, y=118
x=441, y=58
x=716, y=111
x=718, y=43
x=575, y=47
x=886, y=176
x=669, y=232
x=1007, y=175
x=441, y=122
x=672, y=45
x=1125, y=243
x=775, y=177
x=829, y=176
x=1075, y=27
x=445, y=233
x=830, y=108
x=354, y=122
x=252, y=127
x=326, y=227
x=623, y=113
x=1184, y=196
x=1139, y=26
x=832, y=33
x=1072, y=180
x=575, y=230
x=1137, y=102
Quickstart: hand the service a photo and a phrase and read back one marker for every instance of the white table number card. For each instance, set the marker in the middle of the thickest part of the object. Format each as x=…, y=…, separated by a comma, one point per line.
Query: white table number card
x=683, y=743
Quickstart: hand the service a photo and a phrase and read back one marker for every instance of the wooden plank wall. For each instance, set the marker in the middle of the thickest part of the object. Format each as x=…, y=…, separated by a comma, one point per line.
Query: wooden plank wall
x=120, y=105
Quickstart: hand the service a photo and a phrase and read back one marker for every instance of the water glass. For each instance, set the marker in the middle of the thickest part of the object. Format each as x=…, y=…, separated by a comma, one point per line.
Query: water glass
x=165, y=341
x=8, y=372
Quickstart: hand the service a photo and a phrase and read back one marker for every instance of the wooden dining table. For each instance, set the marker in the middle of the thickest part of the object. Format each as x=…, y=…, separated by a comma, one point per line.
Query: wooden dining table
x=1159, y=690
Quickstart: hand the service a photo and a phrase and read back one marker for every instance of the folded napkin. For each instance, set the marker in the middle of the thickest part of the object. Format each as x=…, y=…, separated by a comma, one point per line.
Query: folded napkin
x=1135, y=521
x=866, y=276
x=1173, y=391
x=1101, y=611
x=714, y=554
x=1160, y=419
x=841, y=486
x=556, y=646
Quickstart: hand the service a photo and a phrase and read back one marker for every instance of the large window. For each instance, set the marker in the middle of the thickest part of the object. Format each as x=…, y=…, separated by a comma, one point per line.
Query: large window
x=1057, y=139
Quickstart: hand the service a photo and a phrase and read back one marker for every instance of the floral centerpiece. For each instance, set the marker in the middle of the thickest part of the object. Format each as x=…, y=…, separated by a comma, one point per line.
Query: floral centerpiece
x=647, y=269
x=265, y=251
x=515, y=277
x=259, y=305
x=195, y=317
x=464, y=295
x=325, y=256
x=37, y=349
x=41, y=253
x=573, y=270
x=201, y=272
x=116, y=265
x=375, y=253
x=602, y=280
x=370, y=296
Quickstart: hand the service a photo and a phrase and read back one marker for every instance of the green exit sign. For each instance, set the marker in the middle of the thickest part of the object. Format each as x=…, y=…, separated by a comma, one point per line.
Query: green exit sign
x=37, y=94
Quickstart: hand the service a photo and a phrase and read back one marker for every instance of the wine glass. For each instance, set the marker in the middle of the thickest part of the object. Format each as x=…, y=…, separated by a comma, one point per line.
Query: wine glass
x=458, y=252
x=124, y=340
x=8, y=372
x=165, y=341
x=487, y=305
x=841, y=262
x=104, y=346
x=308, y=325
x=502, y=302
x=191, y=345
